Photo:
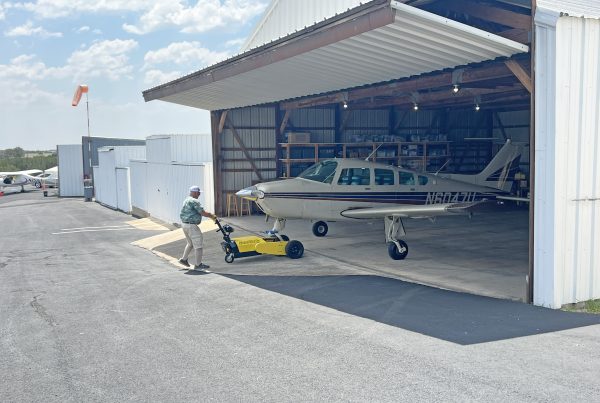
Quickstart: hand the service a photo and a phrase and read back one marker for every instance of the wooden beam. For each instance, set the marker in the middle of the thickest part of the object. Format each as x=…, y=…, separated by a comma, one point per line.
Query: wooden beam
x=284, y=121
x=520, y=73
x=493, y=14
x=516, y=34
x=222, y=121
x=217, y=155
x=244, y=149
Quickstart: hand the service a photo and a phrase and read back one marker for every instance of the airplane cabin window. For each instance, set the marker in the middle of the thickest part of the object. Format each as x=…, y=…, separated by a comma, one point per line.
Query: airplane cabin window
x=321, y=172
x=423, y=180
x=384, y=177
x=355, y=176
x=407, y=178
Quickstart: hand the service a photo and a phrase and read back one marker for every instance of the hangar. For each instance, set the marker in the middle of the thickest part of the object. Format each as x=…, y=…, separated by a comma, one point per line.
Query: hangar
x=429, y=85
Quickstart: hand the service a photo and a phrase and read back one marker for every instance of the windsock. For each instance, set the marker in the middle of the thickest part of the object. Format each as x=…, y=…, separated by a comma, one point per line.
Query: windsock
x=81, y=89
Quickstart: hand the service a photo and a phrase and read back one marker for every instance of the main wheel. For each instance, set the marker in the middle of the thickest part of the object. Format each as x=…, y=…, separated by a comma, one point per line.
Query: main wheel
x=229, y=258
x=38, y=184
x=395, y=253
x=294, y=249
x=320, y=228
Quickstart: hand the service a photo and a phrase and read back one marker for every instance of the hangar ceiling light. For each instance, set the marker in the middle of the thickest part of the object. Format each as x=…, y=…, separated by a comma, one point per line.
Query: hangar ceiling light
x=374, y=44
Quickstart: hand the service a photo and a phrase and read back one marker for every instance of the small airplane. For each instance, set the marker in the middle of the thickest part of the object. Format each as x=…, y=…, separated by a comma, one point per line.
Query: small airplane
x=351, y=189
x=20, y=178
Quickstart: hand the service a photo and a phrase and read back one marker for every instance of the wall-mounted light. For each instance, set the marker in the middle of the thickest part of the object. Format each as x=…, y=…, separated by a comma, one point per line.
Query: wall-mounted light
x=477, y=102
x=477, y=108
x=455, y=88
x=345, y=105
x=415, y=107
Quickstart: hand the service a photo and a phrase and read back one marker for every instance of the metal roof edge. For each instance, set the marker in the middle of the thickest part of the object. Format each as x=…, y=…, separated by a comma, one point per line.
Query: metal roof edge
x=176, y=85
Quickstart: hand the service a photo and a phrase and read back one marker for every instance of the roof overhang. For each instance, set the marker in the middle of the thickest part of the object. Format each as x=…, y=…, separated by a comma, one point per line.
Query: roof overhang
x=377, y=42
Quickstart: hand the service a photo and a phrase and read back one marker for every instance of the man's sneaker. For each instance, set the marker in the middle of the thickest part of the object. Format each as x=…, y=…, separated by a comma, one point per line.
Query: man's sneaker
x=201, y=267
x=184, y=262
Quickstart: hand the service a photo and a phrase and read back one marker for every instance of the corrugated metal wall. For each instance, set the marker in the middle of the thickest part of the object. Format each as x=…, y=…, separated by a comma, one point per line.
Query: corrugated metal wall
x=167, y=185
x=567, y=192
x=365, y=125
x=256, y=128
x=158, y=149
x=191, y=148
x=90, y=146
x=284, y=17
x=138, y=183
x=319, y=122
x=70, y=170
x=123, y=190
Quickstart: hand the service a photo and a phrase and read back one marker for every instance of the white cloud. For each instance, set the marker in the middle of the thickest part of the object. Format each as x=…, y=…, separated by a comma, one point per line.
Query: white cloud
x=105, y=58
x=29, y=30
x=23, y=93
x=202, y=17
x=235, y=43
x=63, y=8
x=85, y=28
x=155, y=77
x=102, y=59
x=2, y=12
x=97, y=31
x=184, y=53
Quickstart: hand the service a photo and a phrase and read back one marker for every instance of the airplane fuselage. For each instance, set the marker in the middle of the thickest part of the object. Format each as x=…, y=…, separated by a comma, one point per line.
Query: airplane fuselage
x=374, y=185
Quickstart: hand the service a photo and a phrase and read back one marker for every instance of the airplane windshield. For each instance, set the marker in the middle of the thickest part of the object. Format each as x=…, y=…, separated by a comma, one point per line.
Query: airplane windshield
x=321, y=172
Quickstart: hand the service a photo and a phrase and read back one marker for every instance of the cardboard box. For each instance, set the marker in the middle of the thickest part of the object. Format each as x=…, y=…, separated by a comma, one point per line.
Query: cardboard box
x=296, y=137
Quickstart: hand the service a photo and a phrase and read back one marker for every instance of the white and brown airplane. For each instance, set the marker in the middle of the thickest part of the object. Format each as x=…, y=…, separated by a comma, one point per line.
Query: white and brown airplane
x=350, y=189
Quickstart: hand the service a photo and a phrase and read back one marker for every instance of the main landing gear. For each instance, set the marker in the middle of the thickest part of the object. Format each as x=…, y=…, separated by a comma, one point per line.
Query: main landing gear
x=397, y=248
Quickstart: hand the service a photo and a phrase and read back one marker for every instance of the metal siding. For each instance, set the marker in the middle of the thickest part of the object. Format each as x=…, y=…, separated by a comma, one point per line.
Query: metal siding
x=158, y=149
x=168, y=185
x=567, y=205
x=91, y=145
x=191, y=148
x=105, y=181
x=123, y=190
x=139, y=185
x=70, y=170
x=124, y=154
x=416, y=42
x=284, y=17
x=575, y=8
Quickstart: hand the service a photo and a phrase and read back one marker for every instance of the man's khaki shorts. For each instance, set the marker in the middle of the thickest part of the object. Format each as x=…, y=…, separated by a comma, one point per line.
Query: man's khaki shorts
x=193, y=235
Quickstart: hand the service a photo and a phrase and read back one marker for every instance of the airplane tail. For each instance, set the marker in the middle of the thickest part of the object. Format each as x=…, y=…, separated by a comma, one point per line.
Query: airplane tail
x=500, y=172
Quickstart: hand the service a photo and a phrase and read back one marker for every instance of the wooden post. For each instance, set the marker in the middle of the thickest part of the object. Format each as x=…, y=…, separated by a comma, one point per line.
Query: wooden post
x=217, y=158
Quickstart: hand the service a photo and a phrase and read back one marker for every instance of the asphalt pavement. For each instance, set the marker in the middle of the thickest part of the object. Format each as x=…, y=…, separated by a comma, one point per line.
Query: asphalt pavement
x=86, y=316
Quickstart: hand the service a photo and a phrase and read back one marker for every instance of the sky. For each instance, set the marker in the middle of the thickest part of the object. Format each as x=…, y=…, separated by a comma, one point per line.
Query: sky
x=118, y=48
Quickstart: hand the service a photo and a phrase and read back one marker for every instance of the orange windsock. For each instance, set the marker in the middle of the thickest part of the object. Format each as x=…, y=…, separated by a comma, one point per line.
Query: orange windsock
x=81, y=89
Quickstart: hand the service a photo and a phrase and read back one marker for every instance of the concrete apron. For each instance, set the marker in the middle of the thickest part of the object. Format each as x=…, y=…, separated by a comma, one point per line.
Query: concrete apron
x=485, y=255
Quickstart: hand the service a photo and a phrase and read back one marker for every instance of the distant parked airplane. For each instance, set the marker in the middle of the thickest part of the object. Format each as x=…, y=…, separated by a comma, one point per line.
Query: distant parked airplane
x=350, y=189
x=20, y=178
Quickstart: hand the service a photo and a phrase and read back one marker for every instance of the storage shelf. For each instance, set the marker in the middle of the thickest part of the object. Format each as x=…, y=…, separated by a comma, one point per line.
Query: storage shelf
x=428, y=155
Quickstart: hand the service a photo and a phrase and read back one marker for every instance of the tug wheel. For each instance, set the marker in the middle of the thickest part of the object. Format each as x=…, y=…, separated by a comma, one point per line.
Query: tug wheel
x=285, y=237
x=294, y=249
x=229, y=258
x=395, y=253
x=320, y=228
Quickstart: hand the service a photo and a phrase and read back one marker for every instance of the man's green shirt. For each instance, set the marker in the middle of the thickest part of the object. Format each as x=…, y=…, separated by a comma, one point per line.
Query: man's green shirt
x=191, y=212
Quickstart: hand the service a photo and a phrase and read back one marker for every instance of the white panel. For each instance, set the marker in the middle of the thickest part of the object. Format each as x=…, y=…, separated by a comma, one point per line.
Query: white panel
x=416, y=42
x=123, y=154
x=567, y=205
x=284, y=17
x=105, y=181
x=574, y=8
x=191, y=147
x=123, y=190
x=139, y=185
x=70, y=170
x=158, y=149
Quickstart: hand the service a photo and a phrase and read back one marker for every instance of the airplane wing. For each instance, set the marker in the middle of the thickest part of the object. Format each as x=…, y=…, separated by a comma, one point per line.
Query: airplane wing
x=416, y=211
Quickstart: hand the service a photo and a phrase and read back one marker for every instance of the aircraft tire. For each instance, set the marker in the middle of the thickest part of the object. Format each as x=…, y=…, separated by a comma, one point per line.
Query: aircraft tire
x=320, y=228
x=294, y=249
x=393, y=250
x=38, y=184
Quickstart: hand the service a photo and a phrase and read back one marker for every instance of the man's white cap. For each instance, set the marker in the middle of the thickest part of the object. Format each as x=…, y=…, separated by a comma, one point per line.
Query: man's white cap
x=195, y=188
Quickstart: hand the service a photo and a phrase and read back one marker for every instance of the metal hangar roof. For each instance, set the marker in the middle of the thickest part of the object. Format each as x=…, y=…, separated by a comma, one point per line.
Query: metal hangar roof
x=376, y=42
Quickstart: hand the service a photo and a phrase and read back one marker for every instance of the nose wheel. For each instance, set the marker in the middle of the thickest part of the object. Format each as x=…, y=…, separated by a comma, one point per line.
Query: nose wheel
x=395, y=252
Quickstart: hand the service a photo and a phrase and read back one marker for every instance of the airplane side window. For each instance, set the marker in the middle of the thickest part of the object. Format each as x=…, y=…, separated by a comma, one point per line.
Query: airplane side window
x=355, y=176
x=384, y=177
x=407, y=178
x=423, y=180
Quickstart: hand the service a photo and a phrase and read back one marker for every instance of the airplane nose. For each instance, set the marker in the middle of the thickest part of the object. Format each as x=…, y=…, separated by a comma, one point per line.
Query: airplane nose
x=251, y=193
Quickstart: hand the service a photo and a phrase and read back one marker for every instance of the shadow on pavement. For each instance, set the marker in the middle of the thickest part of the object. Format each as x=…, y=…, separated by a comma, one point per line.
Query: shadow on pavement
x=455, y=317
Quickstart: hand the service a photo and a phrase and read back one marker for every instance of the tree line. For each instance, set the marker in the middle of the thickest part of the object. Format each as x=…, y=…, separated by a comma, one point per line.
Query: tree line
x=17, y=159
